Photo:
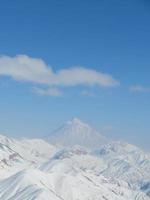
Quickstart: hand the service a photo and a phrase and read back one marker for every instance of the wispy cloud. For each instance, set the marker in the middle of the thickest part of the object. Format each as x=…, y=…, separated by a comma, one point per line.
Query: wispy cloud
x=25, y=68
x=53, y=92
x=87, y=93
x=139, y=88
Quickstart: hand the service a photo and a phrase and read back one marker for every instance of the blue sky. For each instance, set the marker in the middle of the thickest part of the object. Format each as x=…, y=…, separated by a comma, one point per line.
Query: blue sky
x=105, y=41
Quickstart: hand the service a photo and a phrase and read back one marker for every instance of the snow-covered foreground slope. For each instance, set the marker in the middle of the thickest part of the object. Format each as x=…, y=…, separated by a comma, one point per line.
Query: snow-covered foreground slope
x=16, y=155
x=54, y=185
x=33, y=169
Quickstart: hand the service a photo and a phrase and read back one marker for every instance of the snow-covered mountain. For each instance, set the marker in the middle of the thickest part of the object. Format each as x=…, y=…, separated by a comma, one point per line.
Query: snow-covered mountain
x=77, y=163
x=76, y=132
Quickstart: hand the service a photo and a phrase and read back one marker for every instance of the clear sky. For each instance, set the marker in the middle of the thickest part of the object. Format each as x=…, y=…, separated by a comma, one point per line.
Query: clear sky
x=83, y=58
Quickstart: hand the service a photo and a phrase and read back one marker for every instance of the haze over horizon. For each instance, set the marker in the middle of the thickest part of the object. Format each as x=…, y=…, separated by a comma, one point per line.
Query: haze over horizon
x=81, y=59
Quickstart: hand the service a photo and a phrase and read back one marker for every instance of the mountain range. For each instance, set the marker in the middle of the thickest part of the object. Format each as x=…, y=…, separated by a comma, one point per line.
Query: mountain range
x=74, y=162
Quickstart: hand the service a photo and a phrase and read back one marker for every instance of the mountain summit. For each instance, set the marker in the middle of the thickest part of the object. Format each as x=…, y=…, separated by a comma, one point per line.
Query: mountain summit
x=76, y=132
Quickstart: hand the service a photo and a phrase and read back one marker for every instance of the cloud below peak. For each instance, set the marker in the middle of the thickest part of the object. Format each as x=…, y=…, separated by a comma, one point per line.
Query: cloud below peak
x=35, y=70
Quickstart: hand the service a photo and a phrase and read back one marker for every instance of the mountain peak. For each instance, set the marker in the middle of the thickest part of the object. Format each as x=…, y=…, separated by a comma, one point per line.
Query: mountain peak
x=76, y=120
x=76, y=132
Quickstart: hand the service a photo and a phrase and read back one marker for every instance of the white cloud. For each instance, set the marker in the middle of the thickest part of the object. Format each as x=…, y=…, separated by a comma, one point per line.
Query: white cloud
x=28, y=69
x=87, y=93
x=139, y=88
x=24, y=68
x=83, y=76
x=54, y=92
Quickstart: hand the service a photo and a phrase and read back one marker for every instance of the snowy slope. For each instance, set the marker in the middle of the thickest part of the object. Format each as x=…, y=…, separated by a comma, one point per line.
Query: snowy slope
x=31, y=150
x=38, y=185
x=126, y=162
x=16, y=155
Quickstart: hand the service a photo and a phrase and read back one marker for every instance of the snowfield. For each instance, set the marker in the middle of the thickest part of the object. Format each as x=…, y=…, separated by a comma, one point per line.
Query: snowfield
x=75, y=162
